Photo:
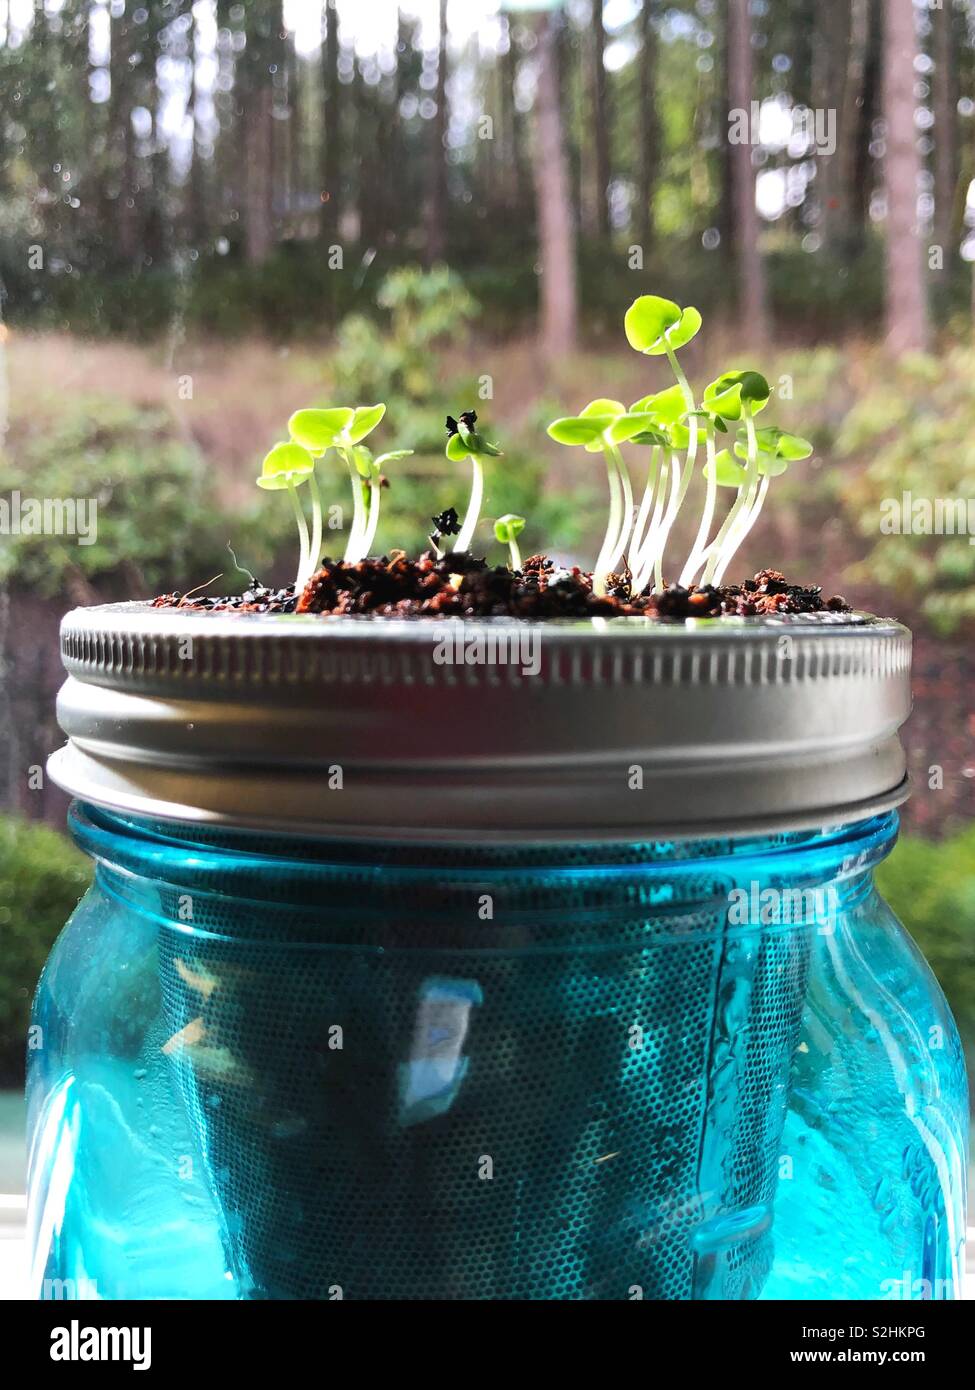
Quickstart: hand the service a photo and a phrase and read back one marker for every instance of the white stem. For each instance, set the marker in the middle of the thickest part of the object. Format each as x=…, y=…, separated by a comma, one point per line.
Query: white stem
x=743, y=501
x=643, y=569
x=642, y=516
x=302, y=536
x=678, y=488
x=353, y=546
x=373, y=520
x=473, y=506
x=713, y=553
x=626, y=518
x=682, y=381
x=745, y=528
x=601, y=569
x=734, y=535
x=687, y=471
x=313, y=557
x=515, y=553
x=696, y=557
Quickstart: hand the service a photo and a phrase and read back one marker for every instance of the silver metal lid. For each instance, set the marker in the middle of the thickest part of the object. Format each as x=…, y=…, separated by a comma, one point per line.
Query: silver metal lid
x=484, y=730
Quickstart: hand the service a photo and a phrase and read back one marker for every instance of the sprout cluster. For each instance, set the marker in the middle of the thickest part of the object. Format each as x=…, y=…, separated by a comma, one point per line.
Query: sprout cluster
x=671, y=424
x=288, y=465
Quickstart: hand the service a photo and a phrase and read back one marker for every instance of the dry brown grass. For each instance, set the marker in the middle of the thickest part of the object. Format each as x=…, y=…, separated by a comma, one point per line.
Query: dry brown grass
x=241, y=394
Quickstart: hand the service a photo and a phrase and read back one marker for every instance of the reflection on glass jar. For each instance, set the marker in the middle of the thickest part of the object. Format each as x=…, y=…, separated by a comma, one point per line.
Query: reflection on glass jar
x=272, y=1067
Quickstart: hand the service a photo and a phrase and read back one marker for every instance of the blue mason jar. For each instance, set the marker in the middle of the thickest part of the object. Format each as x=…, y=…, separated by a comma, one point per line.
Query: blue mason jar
x=554, y=974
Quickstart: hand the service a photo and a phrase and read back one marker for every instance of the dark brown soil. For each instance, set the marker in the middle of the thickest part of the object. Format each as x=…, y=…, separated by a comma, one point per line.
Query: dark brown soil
x=459, y=585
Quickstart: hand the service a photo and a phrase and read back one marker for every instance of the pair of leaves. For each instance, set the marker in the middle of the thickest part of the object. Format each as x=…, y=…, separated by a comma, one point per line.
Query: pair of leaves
x=777, y=449
x=318, y=430
x=667, y=410
x=602, y=421
x=290, y=463
x=724, y=397
x=286, y=465
x=368, y=467
x=654, y=325
x=467, y=444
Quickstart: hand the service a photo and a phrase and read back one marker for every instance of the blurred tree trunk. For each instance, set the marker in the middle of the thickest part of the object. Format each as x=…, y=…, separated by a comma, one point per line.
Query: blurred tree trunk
x=291, y=103
x=649, y=125
x=840, y=200
x=436, y=211
x=724, y=213
x=198, y=194
x=258, y=228
x=124, y=213
x=833, y=78
x=907, y=319
x=398, y=186
x=331, y=146
x=597, y=219
x=752, y=301
x=255, y=93
x=870, y=110
x=515, y=180
x=945, y=132
x=556, y=232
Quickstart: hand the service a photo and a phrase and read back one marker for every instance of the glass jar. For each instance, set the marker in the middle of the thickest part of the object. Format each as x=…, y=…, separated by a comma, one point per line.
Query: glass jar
x=277, y=1069
x=273, y=1060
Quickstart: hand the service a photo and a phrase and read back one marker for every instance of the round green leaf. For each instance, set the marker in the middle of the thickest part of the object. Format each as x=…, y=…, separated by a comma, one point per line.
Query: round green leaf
x=365, y=418
x=772, y=464
x=726, y=472
x=283, y=465
x=602, y=406
x=629, y=426
x=682, y=332
x=723, y=396
x=318, y=429
x=508, y=527
x=777, y=449
x=647, y=320
x=754, y=387
x=666, y=406
x=457, y=449
x=573, y=429
x=791, y=447
x=678, y=435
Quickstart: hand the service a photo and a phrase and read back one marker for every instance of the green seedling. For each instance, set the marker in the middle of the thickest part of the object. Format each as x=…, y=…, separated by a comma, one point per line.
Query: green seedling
x=670, y=423
x=465, y=442
x=602, y=426
x=773, y=451
x=658, y=327
x=285, y=468
x=370, y=471
x=343, y=428
x=507, y=529
x=733, y=396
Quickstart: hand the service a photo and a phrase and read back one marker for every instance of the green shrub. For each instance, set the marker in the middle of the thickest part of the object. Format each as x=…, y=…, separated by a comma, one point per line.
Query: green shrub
x=915, y=428
x=400, y=359
x=931, y=887
x=42, y=877
x=159, y=525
